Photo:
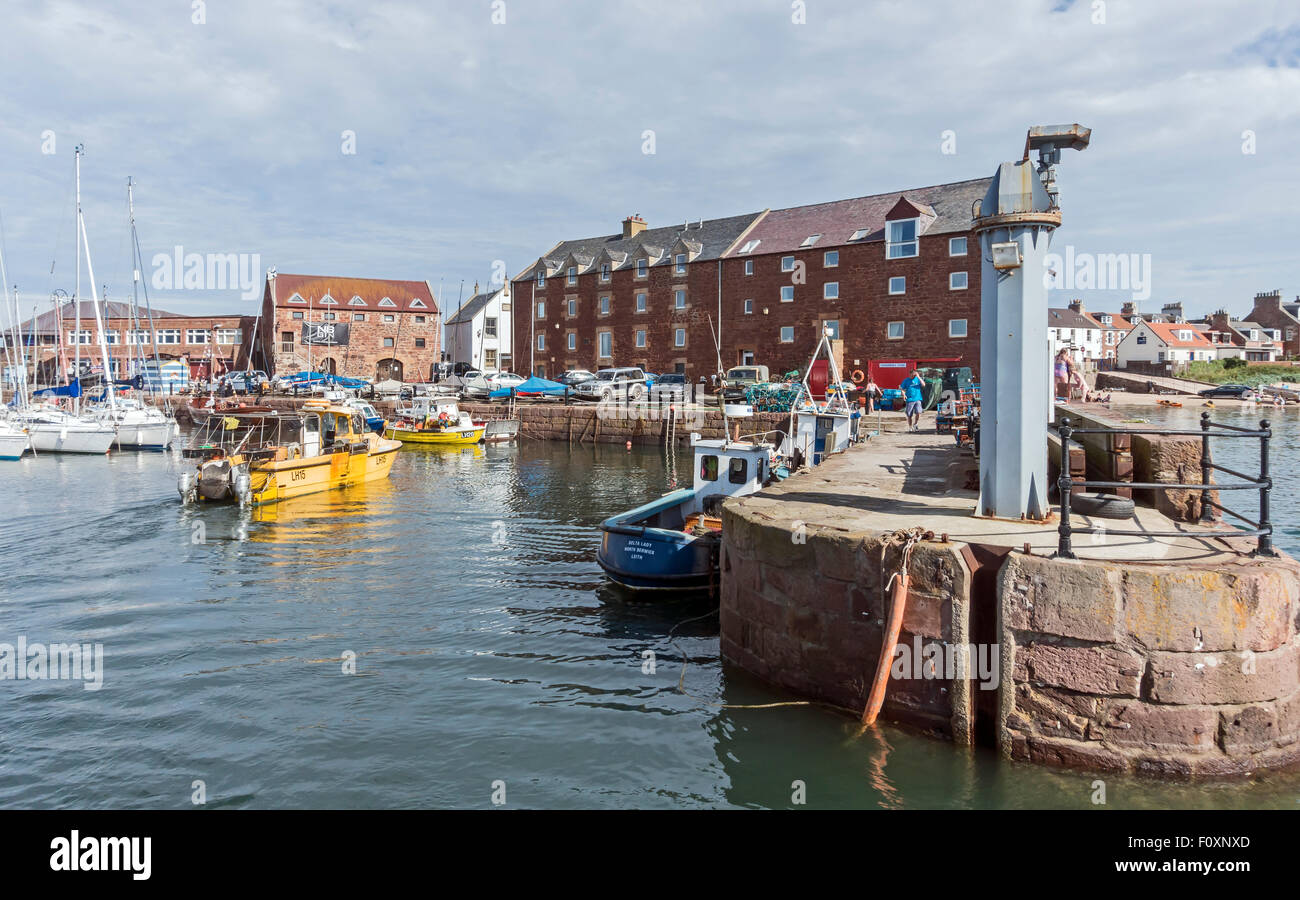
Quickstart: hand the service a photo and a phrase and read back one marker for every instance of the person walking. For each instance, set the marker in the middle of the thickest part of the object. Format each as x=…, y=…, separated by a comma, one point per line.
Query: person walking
x=870, y=392
x=912, y=389
x=1061, y=371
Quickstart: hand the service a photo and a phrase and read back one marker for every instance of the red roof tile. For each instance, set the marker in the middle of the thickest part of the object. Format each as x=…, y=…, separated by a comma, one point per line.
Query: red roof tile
x=314, y=288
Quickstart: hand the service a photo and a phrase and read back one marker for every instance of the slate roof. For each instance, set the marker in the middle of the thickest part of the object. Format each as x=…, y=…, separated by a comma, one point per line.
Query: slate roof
x=713, y=236
x=472, y=307
x=1068, y=318
x=47, y=321
x=342, y=290
x=784, y=230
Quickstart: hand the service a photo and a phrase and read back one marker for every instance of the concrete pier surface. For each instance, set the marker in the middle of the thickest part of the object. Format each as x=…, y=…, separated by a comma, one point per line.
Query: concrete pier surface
x=1172, y=656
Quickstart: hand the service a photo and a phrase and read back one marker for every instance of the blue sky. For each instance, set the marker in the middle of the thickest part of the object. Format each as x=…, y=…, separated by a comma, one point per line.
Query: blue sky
x=477, y=141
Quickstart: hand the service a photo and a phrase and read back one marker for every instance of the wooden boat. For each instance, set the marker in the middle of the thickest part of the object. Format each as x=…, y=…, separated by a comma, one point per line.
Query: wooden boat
x=672, y=543
x=258, y=458
x=434, y=420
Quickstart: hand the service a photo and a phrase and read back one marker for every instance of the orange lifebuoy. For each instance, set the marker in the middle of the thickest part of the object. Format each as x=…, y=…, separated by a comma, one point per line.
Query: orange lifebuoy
x=858, y=377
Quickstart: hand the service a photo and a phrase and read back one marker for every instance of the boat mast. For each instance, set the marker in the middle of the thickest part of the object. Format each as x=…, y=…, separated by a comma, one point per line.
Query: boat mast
x=137, y=265
x=94, y=295
x=76, y=294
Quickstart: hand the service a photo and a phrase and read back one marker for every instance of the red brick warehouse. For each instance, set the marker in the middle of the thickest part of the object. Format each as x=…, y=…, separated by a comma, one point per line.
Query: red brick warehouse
x=894, y=276
x=389, y=329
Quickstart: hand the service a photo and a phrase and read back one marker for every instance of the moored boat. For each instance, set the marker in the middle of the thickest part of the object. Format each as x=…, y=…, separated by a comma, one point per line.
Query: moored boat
x=672, y=543
x=434, y=420
x=14, y=441
x=259, y=458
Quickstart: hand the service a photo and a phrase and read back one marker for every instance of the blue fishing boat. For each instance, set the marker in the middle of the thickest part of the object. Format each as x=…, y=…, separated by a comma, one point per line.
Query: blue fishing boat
x=672, y=543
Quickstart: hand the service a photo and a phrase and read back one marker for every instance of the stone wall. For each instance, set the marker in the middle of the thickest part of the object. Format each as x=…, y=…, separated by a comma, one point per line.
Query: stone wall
x=638, y=423
x=1172, y=670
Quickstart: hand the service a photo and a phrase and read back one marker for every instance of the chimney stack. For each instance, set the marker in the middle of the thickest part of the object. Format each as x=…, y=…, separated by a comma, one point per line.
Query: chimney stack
x=1077, y=305
x=1128, y=309
x=1174, y=311
x=633, y=225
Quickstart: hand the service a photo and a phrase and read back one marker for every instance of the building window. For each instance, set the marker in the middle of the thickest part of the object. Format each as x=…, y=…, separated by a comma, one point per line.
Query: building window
x=894, y=331
x=831, y=259
x=110, y=337
x=900, y=239
x=388, y=342
x=956, y=328
x=419, y=320
x=680, y=264
x=749, y=267
x=72, y=337
x=787, y=334
x=750, y=247
x=605, y=342
x=297, y=298
x=541, y=342
x=679, y=299
x=898, y=285
x=356, y=301
x=229, y=336
x=831, y=328
x=573, y=341
x=168, y=336
x=749, y=307
x=604, y=305
x=572, y=275
x=640, y=302
x=286, y=341
x=327, y=300
x=490, y=359
x=787, y=264
x=387, y=301
x=957, y=246
x=358, y=317
x=641, y=268
x=858, y=235
x=417, y=303
x=390, y=318
x=541, y=309
x=196, y=336
x=831, y=290
x=142, y=337
x=573, y=307
x=810, y=240
x=787, y=294
x=679, y=338
x=640, y=337
x=956, y=281
x=541, y=278
x=419, y=342
x=327, y=317
x=604, y=271
x=490, y=327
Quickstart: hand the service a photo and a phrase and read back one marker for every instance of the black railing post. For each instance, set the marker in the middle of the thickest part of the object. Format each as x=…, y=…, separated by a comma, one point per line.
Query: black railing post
x=1207, y=511
x=1265, y=546
x=1065, y=484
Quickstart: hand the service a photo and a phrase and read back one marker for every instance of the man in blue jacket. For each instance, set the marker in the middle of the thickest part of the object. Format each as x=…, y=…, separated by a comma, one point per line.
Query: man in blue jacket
x=912, y=388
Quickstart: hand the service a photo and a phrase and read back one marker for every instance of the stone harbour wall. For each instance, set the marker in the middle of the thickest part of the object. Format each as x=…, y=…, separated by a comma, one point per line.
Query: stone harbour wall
x=638, y=423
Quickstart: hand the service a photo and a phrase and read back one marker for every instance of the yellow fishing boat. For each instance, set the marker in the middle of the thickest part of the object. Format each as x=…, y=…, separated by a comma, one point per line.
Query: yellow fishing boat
x=264, y=457
x=431, y=420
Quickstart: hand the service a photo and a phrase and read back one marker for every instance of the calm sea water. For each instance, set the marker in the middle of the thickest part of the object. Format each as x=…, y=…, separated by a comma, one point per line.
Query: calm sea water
x=487, y=649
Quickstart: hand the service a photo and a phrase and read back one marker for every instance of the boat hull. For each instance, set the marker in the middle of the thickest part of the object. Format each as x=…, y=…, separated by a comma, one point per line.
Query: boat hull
x=13, y=446
x=279, y=480
x=145, y=436
x=55, y=438
x=639, y=552
x=449, y=437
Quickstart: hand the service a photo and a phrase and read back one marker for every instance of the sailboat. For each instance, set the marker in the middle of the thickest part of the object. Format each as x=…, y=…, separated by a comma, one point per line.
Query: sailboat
x=14, y=441
x=139, y=426
x=53, y=429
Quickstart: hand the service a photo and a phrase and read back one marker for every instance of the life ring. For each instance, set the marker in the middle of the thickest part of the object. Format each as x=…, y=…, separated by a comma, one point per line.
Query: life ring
x=858, y=377
x=294, y=451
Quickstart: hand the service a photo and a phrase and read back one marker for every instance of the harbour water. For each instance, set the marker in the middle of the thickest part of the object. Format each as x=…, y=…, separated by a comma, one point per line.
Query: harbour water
x=489, y=653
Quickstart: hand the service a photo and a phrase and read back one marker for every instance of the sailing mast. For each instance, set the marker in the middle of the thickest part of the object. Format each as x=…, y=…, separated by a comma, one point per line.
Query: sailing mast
x=76, y=294
x=94, y=295
x=137, y=263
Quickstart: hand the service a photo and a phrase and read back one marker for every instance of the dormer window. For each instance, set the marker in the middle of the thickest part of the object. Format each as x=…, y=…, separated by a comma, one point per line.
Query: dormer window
x=1106, y=320
x=356, y=301
x=604, y=271
x=679, y=263
x=859, y=234
x=810, y=240
x=417, y=303
x=641, y=268
x=1184, y=335
x=327, y=300
x=541, y=278
x=750, y=246
x=900, y=239
x=572, y=275
x=387, y=301
x=297, y=298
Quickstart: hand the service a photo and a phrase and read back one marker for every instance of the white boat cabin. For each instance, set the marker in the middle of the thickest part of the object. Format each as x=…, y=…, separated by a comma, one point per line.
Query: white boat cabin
x=728, y=469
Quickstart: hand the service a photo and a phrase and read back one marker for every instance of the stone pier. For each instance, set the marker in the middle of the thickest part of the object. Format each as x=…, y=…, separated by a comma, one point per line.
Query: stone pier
x=1175, y=656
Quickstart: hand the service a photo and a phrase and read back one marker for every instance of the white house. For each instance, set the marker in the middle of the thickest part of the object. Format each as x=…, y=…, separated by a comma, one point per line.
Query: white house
x=1158, y=342
x=479, y=332
x=1076, y=332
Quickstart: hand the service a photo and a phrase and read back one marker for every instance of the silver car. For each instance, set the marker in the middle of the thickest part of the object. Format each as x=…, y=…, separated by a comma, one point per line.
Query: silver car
x=611, y=383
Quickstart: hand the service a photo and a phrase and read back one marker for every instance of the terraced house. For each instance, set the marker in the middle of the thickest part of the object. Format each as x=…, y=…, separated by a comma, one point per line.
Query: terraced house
x=891, y=276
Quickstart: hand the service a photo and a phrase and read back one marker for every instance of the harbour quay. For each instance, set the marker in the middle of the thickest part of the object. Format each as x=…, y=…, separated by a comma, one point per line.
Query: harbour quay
x=1173, y=656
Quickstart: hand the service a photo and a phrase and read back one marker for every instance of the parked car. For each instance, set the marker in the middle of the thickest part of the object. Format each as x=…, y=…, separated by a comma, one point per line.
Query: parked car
x=484, y=383
x=613, y=383
x=574, y=377
x=670, y=387
x=246, y=382
x=1235, y=391
x=741, y=378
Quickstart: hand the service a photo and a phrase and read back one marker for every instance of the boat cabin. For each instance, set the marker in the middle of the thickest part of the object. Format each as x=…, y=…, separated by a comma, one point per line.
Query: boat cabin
x=728, y=469
x=820, y=432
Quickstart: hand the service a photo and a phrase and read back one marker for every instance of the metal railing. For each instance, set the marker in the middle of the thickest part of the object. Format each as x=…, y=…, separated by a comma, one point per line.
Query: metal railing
x=1263, y=483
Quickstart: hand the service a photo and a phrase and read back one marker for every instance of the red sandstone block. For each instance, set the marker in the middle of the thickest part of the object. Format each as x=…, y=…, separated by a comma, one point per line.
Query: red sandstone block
x=1191, y=608
x=1151, y=726
x=1108, y=671
x=1224, y=678
x=1288, y=720
x=1248, y=729
x=927, y=615
x=1075, y=754
x=1074, y=599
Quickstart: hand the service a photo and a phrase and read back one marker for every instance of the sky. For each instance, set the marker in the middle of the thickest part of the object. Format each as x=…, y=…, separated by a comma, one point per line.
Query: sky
x=441, y=141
